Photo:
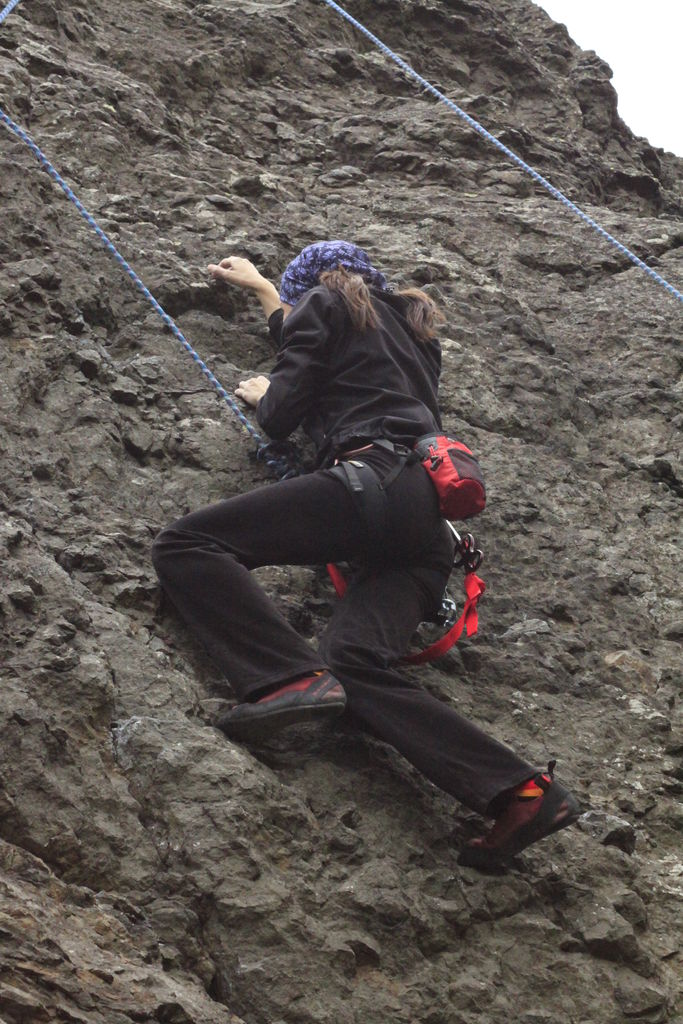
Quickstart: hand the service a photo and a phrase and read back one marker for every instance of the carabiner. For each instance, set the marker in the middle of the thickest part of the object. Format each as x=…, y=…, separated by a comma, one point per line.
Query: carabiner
x=466, y=555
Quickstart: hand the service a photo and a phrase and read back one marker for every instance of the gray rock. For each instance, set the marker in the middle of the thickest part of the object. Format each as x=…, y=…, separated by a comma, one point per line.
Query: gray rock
x=125, y=392
x=609, y=830
x=22, y=597
x=607, y=934
x=642, y=1000
x=150, y=869
x=530, y=627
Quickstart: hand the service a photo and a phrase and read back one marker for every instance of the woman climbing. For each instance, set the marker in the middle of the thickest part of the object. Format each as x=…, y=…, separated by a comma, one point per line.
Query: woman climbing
x=358, y=367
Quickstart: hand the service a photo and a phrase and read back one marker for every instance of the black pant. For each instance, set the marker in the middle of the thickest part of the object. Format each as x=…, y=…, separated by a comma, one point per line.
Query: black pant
x=203, y=563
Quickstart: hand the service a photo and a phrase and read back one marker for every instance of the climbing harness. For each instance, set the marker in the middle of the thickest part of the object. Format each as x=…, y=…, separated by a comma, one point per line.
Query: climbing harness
x=369, y=494
x=466, y=556
x=522, y=164
x=450, y=466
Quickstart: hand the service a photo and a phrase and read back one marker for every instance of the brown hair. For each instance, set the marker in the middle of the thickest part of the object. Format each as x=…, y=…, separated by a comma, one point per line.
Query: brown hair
x=422, y=313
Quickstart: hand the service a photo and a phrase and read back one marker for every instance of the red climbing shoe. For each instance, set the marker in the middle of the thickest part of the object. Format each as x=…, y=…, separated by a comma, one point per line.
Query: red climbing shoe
x=538, y=808
x=315, y=698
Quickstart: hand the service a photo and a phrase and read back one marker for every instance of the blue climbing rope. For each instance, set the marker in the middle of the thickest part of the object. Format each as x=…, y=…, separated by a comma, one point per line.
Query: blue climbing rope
x=6, y=11
x=504, y=149
x=277, y=463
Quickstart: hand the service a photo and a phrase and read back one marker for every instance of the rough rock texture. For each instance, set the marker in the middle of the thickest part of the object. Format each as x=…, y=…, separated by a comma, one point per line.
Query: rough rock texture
x=151, y=871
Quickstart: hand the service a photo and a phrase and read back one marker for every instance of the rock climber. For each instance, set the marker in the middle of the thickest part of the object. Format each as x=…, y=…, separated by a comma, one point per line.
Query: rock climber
x=358, y=368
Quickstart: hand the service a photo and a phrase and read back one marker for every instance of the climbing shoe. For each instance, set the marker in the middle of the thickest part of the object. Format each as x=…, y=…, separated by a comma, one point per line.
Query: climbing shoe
x=535, y=810
x=315, y=698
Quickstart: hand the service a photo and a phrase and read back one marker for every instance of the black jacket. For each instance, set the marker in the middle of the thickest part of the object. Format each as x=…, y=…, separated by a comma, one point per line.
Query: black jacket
x=344, y=387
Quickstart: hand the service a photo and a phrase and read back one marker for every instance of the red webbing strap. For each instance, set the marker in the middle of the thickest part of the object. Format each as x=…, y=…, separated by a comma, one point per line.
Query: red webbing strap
x=338, y=581
x=469, y=620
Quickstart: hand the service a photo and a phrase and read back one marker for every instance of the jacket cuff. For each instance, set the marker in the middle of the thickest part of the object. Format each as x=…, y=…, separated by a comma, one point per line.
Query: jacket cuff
x=275, y=322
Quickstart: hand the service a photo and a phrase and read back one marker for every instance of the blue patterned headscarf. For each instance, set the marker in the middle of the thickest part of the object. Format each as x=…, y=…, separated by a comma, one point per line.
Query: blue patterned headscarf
x=304, y=270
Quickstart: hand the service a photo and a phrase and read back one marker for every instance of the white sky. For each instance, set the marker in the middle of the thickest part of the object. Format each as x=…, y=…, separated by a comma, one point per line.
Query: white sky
x=642, y=41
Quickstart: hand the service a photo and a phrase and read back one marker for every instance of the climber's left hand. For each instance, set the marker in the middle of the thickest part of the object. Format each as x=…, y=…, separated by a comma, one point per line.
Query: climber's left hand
x=252, y=390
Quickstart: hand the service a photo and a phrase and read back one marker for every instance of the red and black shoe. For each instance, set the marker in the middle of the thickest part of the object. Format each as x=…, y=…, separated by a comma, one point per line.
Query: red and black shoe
x=535, y=810
x=315, y=698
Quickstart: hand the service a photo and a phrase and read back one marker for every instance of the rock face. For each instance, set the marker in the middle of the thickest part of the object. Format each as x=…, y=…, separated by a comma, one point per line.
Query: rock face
x=152, y=871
